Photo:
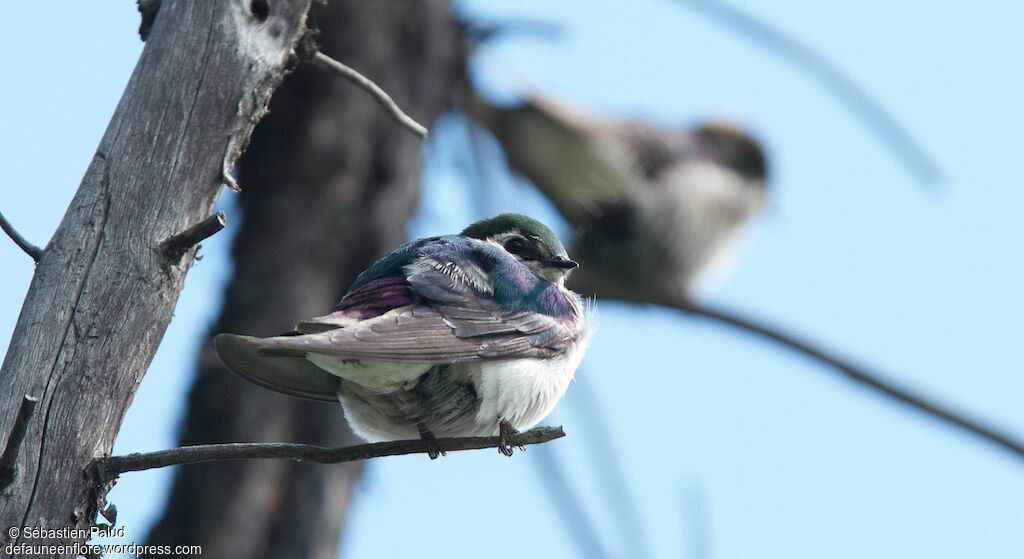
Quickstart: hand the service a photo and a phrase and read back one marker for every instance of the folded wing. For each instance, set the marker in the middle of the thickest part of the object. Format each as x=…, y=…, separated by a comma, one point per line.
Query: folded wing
x=455, y=318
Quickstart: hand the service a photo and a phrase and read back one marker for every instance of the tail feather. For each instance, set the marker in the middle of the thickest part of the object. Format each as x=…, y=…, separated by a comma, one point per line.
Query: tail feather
x=291, y=374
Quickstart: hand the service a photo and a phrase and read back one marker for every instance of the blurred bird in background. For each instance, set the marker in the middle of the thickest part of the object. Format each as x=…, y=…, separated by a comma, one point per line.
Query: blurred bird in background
x=652, y=207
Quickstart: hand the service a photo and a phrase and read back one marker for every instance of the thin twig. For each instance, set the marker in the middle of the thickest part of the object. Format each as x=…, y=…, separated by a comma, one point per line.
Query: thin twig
x=114, y=465
x=832, y=78
x=175, y=246
x=9, y=460
x=385, y=100
x=855, y=373
x=30, y=249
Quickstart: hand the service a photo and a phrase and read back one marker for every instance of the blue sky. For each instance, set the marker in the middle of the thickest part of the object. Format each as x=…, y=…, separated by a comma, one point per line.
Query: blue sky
x=730, y=444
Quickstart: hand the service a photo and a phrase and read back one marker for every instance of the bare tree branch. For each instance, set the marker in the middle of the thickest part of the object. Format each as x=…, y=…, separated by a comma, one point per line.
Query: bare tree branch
x=832, y=78
x=696, y=528
x=382, y=98
x=111, y=467
x=8, y=462
x=854, y=373
x=30, y=249
x=619, y=498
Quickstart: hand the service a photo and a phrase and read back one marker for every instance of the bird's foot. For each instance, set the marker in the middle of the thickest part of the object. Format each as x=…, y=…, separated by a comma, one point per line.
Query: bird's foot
x=433, y=450
x=506, y=432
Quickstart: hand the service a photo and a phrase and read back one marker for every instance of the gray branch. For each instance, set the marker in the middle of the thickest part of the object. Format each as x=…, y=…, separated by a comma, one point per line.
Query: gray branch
x=382, y=98
x=110, y=468
x=30, y=249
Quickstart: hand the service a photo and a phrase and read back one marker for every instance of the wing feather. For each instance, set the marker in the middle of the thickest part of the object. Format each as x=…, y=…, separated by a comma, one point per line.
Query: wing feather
x=454, y=316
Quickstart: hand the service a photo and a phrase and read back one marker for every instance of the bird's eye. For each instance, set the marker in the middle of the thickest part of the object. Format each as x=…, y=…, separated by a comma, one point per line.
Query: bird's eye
x=515, y=245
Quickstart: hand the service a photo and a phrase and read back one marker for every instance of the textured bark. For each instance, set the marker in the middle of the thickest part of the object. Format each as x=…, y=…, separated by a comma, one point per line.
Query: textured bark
x=328, y=185
x=102, y=294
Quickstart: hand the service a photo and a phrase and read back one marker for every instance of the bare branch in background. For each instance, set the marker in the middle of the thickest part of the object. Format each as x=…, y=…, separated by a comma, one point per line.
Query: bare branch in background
x=382, y=98
x=30, y=249
x=477, y=164
x=481, y=31
x=853, y=372
x=832, y=78
x=696, y=527
x=111, y=467
x=558, y=486
x=619, y=498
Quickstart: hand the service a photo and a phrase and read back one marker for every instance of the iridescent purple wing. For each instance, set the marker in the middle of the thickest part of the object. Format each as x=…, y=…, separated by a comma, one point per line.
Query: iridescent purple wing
x=460, y=300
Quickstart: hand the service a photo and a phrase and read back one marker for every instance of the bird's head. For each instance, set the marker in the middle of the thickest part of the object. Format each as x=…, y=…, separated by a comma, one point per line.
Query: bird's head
x=528, y=241
x=729, y=146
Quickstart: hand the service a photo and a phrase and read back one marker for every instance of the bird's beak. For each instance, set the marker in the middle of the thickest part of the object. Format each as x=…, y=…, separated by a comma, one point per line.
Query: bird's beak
x=563, y=263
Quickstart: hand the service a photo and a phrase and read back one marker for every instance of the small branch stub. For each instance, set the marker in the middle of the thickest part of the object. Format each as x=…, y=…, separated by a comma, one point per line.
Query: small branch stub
x=148, y=10
x=8, y=462
x=382, y=98
x=175, y=247
x=30, y=249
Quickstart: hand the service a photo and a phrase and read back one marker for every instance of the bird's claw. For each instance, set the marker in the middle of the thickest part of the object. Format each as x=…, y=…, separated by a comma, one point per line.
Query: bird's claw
x=506, y=432
x=433, y=450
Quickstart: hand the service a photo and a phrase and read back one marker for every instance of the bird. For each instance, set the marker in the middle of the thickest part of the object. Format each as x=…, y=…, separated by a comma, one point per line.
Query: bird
x=462, y=335
x=653, y=207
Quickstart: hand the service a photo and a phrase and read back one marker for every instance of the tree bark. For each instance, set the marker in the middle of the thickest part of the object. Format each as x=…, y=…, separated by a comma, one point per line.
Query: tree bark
x=103, y=294
x=328, y=185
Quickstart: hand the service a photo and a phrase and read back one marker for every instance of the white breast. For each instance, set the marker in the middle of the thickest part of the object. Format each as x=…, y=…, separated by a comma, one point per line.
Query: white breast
x=524, y=391
x=520, y=391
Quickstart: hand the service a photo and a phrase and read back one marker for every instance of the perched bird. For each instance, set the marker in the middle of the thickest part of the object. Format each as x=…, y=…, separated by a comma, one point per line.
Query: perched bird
x=652, y=207
x=462, y=335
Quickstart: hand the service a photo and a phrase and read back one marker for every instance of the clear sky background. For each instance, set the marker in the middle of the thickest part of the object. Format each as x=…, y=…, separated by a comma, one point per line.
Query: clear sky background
x=732, y=447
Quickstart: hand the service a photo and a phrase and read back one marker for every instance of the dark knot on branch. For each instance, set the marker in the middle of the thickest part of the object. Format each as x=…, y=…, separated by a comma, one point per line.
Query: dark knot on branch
x=9, y=459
